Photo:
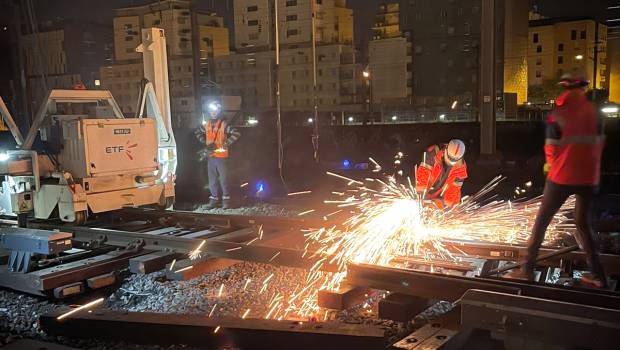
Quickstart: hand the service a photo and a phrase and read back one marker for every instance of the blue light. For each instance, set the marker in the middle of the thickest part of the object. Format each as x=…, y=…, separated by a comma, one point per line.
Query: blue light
x=346, y=163
x=260, y=187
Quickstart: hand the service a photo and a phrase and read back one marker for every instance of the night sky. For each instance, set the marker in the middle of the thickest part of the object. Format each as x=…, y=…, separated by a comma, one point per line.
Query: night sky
x=364, y=10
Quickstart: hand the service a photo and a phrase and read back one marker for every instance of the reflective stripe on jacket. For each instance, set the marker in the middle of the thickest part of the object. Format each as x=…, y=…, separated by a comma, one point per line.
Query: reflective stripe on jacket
x=216, y=134
x=429, y=178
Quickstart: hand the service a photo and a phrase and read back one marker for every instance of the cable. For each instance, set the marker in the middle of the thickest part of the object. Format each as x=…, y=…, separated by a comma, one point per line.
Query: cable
x=37, y=48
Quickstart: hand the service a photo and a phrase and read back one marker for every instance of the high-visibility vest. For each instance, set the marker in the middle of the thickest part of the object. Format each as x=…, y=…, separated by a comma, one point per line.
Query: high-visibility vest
x=574, y=143
x=216, y=134
x=428, y=178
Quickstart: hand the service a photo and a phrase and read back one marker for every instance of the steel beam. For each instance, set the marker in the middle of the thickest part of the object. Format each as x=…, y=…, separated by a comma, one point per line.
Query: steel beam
x=532, y=320
x=213, y=248
x=451, y=288
x=198, y=330
x=40, y=281
x=416, y=283
x=222, y=220
x=494, y=251
x=344, y=298
x=151, y=262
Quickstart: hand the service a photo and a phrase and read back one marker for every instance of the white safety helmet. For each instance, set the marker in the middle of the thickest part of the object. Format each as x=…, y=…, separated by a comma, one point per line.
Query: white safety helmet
x=455, y=151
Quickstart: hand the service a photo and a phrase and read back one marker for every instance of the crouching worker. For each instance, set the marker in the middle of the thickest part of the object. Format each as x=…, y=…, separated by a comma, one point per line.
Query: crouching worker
x=441, y=174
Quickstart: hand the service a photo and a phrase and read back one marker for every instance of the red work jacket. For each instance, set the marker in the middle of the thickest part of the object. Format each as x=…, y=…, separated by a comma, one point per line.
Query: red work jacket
x=444, y=191
x=574, y=142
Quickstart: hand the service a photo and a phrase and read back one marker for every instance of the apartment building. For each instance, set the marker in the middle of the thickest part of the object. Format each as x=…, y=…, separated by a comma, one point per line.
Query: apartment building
x=558, y=45
x=193, y=38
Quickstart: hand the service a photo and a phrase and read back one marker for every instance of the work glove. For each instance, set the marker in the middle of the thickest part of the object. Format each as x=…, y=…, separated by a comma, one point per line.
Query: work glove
x=203, y=154
x=546, y=168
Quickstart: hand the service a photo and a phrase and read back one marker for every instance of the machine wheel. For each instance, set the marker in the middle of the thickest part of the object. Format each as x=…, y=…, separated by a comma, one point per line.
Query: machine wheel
x=80, y=217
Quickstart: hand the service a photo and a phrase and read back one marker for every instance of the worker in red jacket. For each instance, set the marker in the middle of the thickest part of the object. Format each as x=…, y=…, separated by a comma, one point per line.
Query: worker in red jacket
x=573, y=149
x=441, y=174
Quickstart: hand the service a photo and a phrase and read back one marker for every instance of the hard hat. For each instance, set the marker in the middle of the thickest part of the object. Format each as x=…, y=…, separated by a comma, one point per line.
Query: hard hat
x=574, y=79
x=455, y=151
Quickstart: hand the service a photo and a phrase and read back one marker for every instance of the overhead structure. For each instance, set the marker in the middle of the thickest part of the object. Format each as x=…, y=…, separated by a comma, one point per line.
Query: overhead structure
x=82, y=155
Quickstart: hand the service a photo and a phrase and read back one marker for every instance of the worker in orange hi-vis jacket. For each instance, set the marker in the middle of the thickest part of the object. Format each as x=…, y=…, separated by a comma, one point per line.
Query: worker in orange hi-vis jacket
x=573, y=149
x=441, y=174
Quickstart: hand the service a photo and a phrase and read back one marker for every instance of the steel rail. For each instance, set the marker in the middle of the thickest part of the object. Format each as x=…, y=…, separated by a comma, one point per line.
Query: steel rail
x=216, y=248
x=451, y=288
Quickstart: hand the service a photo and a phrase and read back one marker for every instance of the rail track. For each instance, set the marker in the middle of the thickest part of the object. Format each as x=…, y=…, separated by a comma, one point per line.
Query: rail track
x=148, y=240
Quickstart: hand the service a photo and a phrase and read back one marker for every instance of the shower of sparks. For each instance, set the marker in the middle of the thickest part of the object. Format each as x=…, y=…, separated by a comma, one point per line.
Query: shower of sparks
x=80, y=308
x=233, y=249
x=216, y=329
x=184, y=269
x=274, y=256
x=247, y=282
x=219, y=293
x=260, y=232
x=195, y=254
x=306, y=212
x=172, y=264
x=212, y=310
x=299, y=193
x=389, y=220
x=245, y=314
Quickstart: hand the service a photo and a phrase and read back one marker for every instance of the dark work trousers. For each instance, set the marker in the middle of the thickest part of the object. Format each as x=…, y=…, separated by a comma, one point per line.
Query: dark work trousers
x=218, y=178
x=553, y=197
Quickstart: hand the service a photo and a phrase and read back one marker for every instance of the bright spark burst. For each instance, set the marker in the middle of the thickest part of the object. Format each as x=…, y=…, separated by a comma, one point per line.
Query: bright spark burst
x=390, y=221
x=195, y=254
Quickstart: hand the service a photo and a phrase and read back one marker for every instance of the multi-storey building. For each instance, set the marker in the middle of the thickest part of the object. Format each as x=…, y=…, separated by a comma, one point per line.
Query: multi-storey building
x=250, y=72
x=445, y=35
x=64, y=53
x=558, y=45
x=193, y=38
x=613, y=47
x=255, y=25
x=389, y=59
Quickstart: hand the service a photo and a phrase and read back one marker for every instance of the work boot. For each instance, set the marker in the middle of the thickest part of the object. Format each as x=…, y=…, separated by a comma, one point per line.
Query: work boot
x=227, y=203
x=589, y=280
x=213, y=203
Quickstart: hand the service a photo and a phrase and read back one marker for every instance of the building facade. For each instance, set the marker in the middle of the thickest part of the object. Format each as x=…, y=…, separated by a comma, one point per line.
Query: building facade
x=193, y=39
x=250, y=72
x=64, y=53
x=561, y=45
x=613, y=48
x=389, y=59
x=255, y=24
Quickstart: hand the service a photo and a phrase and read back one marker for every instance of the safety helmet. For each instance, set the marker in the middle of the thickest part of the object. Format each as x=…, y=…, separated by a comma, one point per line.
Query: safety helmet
x=455, y=151
x=574, y=79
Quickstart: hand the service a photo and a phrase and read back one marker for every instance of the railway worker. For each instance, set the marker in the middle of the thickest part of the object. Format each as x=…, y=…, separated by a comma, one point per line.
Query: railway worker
x=441, y=174
x=573, y=150
x=217, y=136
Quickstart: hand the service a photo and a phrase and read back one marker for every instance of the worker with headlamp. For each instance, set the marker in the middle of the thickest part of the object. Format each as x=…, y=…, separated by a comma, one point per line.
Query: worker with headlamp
x=217, y=137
